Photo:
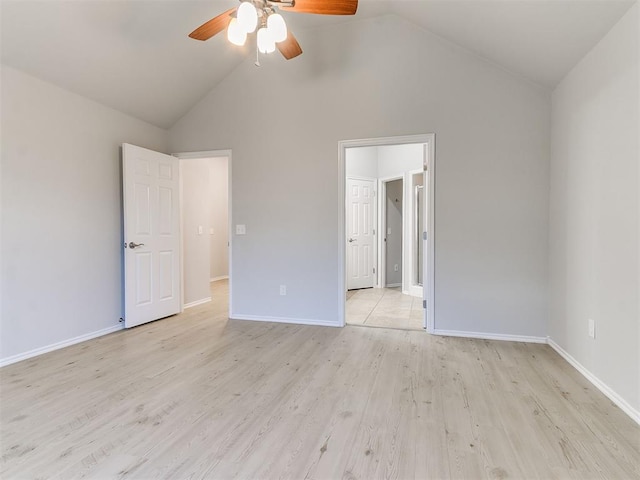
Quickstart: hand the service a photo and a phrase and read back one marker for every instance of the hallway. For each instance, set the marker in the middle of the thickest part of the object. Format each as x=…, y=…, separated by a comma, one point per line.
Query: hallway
x=384, y=307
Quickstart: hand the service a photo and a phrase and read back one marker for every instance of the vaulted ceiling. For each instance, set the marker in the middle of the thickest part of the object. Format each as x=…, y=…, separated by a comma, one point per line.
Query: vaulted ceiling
x=135, y=56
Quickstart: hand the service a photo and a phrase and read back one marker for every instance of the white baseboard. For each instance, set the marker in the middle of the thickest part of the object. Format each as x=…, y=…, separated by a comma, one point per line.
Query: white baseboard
x=215, y=279
x=297, y=321
x=393, y=285
x=599, y=384
x=56, y=346
x=196, y=303
x=490, y=336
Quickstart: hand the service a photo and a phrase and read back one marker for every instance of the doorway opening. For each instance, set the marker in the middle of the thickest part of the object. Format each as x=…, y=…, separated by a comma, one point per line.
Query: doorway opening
x=205, y=179
x=386, y=232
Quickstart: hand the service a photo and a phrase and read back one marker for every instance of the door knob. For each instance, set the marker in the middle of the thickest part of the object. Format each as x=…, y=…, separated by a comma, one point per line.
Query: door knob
x=351, y=240
x=135, y=245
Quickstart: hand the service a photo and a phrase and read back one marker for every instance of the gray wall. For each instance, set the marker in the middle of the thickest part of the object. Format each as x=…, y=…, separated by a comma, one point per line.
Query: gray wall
x=61, y=246
x=373, y=78
x=399, y=159
x=219, y=196
x=393, y=232
x=205, y=195
x=196, y=212
x=361, y=162
x=594, y=238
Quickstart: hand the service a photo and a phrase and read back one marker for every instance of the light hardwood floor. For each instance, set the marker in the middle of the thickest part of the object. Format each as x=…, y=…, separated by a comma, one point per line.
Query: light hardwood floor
x=384, y=307
x=200, y=396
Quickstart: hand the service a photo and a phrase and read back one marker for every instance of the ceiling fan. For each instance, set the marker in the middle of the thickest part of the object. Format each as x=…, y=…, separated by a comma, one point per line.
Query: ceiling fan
x=271, y=28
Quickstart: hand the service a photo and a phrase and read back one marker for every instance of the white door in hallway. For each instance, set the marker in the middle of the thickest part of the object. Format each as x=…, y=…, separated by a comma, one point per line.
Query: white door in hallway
x=151, y=235
x=360, y=230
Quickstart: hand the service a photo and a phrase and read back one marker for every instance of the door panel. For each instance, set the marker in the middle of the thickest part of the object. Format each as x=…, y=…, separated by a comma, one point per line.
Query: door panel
x=166, y=275
x=143, y=209
x=143, y=278
x=360, y=233
x=152, y=226
x=165, y=207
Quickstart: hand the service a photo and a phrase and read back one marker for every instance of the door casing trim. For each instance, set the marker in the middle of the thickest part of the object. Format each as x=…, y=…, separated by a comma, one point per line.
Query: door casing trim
x=430, y=164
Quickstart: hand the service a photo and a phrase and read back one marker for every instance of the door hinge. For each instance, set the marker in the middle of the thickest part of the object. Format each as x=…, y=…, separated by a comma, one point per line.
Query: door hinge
x=374, y=231
x=424, y=235
x=374, y=269
x=424, y=304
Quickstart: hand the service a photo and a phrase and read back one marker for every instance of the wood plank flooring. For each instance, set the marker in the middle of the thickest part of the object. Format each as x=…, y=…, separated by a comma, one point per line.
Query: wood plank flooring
x=200, y=396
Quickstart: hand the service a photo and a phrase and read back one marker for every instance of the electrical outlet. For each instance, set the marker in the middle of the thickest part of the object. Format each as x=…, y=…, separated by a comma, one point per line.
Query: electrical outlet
x=241, y=230
x=396, y=268
x=592, y=328
x=200, y=230
x=283, y=290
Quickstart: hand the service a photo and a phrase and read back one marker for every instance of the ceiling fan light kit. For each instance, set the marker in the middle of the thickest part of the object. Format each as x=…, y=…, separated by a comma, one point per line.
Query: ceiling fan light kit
x=277, y=27
x=272, y=26
x=272, y=29
x=247, y=17
x=266, y=43
x=235, y=33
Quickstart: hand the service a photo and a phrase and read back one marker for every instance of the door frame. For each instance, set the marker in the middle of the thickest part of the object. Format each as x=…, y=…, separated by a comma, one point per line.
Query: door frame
x=430, y=164
x=376, y=256
x=411, y=241
x=194, y=156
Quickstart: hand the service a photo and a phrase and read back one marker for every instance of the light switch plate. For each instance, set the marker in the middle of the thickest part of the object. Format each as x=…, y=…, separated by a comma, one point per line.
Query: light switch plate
x=241, y=230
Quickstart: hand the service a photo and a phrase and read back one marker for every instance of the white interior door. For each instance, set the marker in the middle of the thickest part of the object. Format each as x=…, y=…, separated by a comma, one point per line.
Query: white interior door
x=418, y=226
x=360, y=233
x=151, y=235
x=426, y=278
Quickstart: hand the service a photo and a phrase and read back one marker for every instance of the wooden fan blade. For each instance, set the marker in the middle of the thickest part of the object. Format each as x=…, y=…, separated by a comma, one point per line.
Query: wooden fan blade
x=324, y=7
x=213, y=26
x=290, y=48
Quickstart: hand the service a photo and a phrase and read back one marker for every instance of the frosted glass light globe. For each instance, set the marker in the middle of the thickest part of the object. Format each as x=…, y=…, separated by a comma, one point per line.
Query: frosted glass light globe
x=235, y=33
x=247, y=17
x=277, y=27
x=265, y=41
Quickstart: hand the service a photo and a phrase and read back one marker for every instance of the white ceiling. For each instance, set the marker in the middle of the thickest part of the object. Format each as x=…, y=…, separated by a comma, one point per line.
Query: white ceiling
x=135, y=55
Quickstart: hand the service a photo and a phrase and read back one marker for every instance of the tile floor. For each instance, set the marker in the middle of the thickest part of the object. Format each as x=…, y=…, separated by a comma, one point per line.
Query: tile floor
x=384, y=307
